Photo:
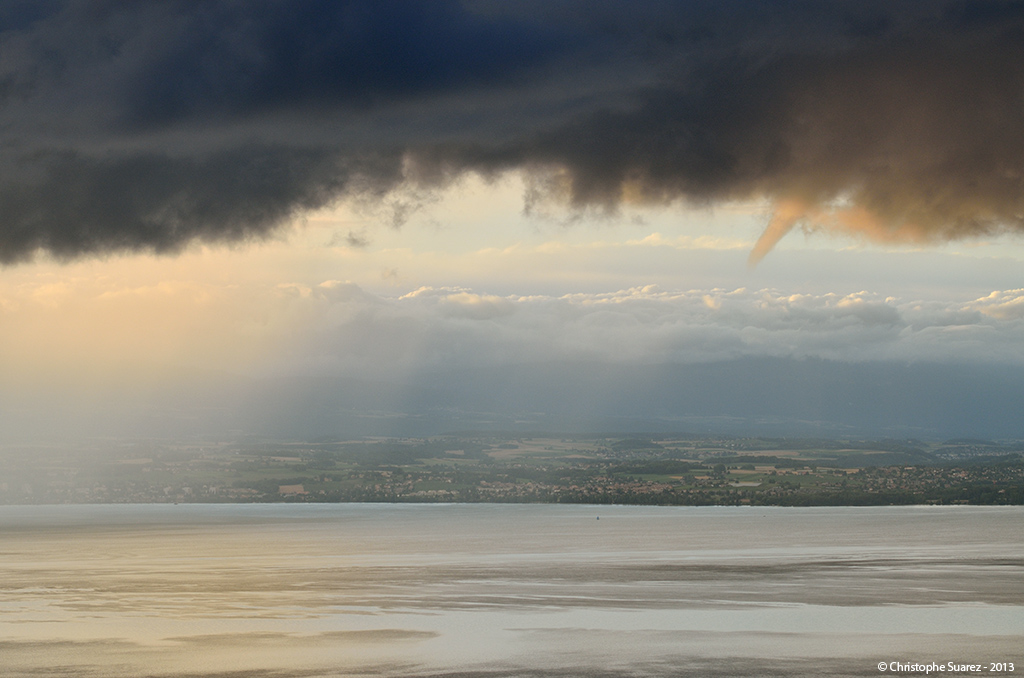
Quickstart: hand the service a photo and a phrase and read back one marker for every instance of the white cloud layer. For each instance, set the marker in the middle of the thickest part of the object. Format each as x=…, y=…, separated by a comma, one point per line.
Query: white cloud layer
x=343, y=328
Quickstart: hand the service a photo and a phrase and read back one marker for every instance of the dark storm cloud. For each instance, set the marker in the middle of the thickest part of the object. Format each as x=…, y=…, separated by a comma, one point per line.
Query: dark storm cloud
x=71, y=204
x=145, y=126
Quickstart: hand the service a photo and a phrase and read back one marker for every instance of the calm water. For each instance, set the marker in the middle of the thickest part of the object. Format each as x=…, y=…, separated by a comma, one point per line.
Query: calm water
x=275, y=591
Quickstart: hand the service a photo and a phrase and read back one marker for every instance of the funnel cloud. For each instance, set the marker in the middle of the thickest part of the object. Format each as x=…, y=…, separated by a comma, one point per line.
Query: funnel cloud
x=149, y=126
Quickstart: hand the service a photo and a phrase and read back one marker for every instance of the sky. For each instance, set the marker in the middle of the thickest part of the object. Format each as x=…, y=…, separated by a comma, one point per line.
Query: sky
x=311, y=218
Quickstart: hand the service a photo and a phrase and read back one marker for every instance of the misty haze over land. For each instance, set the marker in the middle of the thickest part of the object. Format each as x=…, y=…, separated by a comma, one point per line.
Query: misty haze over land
x=751, y=396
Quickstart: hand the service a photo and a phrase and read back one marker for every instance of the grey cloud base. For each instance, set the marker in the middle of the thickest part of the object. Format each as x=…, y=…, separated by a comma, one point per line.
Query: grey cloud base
x=147, y=126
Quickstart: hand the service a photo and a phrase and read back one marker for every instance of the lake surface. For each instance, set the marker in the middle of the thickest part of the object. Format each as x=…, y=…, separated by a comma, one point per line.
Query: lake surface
x=289, y=591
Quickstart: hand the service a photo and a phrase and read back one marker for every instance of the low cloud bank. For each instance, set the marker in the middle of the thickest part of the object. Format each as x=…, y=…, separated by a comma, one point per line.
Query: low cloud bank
x=340, y=328
x=335, y=359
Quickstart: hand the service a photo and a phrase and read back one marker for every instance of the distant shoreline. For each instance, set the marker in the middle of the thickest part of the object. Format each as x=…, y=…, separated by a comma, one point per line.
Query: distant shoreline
x=487, y=468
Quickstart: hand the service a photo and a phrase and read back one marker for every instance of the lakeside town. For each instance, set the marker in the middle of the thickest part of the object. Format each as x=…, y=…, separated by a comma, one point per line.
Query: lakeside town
x=494, y=467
